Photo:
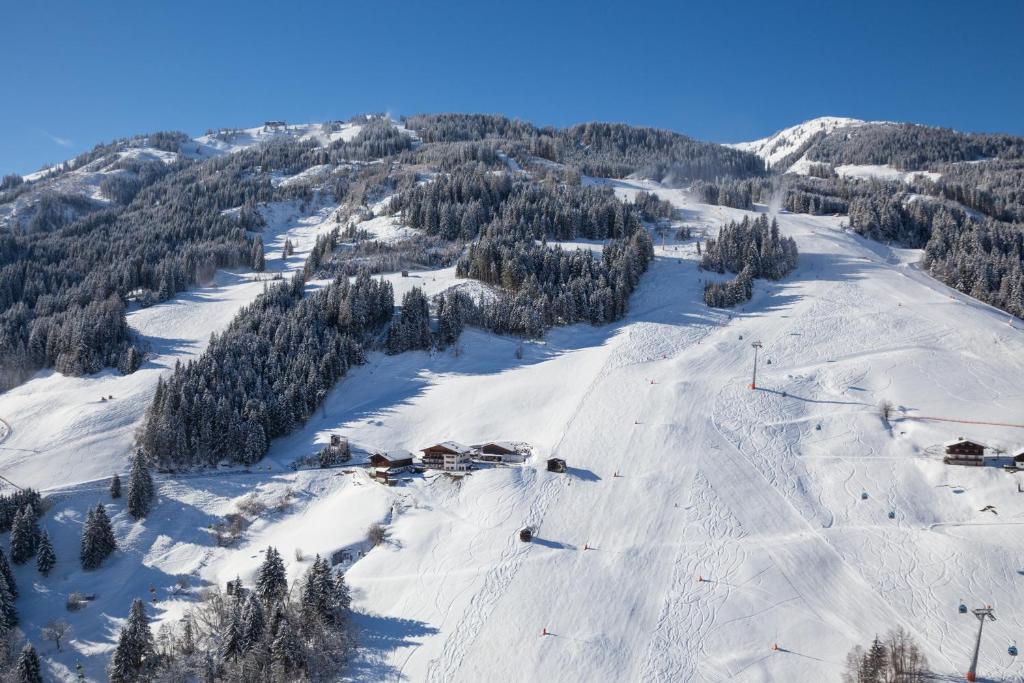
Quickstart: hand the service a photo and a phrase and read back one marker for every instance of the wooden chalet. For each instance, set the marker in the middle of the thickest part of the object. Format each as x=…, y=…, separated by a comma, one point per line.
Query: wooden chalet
x=964, y=452
x=391, y=459
x=1018, y=457
x=450, y=456
x=498, y=451
x=556, y=465
x=389, y=467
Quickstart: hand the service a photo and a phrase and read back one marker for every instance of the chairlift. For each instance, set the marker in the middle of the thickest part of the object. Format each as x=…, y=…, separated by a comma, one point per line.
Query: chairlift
x=892, y=514
x=864, y=495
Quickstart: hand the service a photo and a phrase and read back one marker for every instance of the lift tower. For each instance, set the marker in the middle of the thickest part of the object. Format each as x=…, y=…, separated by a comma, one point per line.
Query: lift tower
x=753, y=381
x=982, y=613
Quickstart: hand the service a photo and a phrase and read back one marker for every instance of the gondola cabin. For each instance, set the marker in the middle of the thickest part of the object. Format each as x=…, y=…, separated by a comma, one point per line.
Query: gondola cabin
x=556, y=465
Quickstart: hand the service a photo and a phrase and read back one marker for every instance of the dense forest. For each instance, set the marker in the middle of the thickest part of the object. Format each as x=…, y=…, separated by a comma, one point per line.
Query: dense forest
x=751, y=248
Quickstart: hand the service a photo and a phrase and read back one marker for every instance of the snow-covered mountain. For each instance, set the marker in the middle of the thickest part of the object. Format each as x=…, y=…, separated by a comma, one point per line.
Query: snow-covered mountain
x=704, y=531
x=788, y=141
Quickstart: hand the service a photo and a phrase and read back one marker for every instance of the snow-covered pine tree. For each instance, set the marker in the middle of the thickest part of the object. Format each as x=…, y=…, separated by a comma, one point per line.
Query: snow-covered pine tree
x=45, y=557
x=115, y=487
x=258, y=260
x=98, y=540
x=7, y=575
x=134, y=646
x=287, y=652
x=8, y=612
x=271, y=580
x=28, y=670
x=140, y=486
x=231, y=644
x=252, y=624
x=24, y=535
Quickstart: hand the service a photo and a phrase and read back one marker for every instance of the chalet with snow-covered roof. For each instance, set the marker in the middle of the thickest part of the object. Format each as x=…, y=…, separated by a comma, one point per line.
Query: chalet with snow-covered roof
x=1018, y=457
x=450, y=456
x=498, y=451
x=388, y=467
x=962, y=451
x=389, y=459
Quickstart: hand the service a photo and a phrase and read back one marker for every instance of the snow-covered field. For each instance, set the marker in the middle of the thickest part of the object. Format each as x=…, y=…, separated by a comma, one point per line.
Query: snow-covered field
x=736, y=521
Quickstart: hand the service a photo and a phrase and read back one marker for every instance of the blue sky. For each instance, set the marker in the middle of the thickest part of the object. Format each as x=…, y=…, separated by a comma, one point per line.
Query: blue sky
x=77, y=73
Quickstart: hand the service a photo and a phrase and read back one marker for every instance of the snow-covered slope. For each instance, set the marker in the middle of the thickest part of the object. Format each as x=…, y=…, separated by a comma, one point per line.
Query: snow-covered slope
x=700, y=522
x=778, y=146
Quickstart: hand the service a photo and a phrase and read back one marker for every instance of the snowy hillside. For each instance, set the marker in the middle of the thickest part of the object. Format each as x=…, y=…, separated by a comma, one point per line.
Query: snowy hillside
x=703, y=530
x=699, y=524
x=787, y=141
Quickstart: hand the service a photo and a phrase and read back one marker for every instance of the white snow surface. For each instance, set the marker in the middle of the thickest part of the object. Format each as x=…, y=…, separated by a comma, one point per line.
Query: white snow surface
x=717, y=482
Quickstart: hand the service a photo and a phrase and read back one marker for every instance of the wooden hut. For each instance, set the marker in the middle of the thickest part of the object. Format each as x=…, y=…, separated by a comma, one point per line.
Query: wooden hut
x=526, y=534
x=556, y=465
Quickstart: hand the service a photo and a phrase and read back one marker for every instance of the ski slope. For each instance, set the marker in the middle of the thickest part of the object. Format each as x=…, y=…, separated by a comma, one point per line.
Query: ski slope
x=736, y=522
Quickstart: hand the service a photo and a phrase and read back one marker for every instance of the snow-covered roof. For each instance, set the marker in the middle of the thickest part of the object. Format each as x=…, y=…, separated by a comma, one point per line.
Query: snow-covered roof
x=453, y=446
x=960, y=440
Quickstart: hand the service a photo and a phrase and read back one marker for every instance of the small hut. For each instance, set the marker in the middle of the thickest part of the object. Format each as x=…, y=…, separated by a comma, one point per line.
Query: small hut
x=526, y=534
x=556, y=465
x=1018, y=457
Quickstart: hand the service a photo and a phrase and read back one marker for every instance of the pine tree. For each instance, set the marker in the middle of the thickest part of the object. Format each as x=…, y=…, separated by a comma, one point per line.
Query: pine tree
x=271, y=580
x=28, y=670
x=115, y=487
x=258, y=259
x=8, y=612
x=286, y=651
x=231, y=645
x=45, y=557
x=7, y=575
x=98, y=540
x=140, y=487
x=324, y=597
x=252, y=624
x=24, y=535
x=134, y=646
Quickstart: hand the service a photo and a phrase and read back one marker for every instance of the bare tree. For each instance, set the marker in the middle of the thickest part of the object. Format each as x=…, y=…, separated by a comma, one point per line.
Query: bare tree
x=885, y=409
x=376, y=534
x=56, y=630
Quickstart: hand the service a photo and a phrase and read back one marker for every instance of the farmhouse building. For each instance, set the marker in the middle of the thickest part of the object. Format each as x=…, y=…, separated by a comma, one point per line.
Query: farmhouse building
x=964, y=452
x=389, y=466
x=498, y=451
x=450, y=456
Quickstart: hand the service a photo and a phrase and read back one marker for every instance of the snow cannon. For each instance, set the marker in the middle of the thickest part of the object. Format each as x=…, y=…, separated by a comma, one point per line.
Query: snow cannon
x=1012, y=650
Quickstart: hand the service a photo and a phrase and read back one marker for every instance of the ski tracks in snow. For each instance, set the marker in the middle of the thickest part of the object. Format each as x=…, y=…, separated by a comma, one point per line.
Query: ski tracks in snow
x=710, y=543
